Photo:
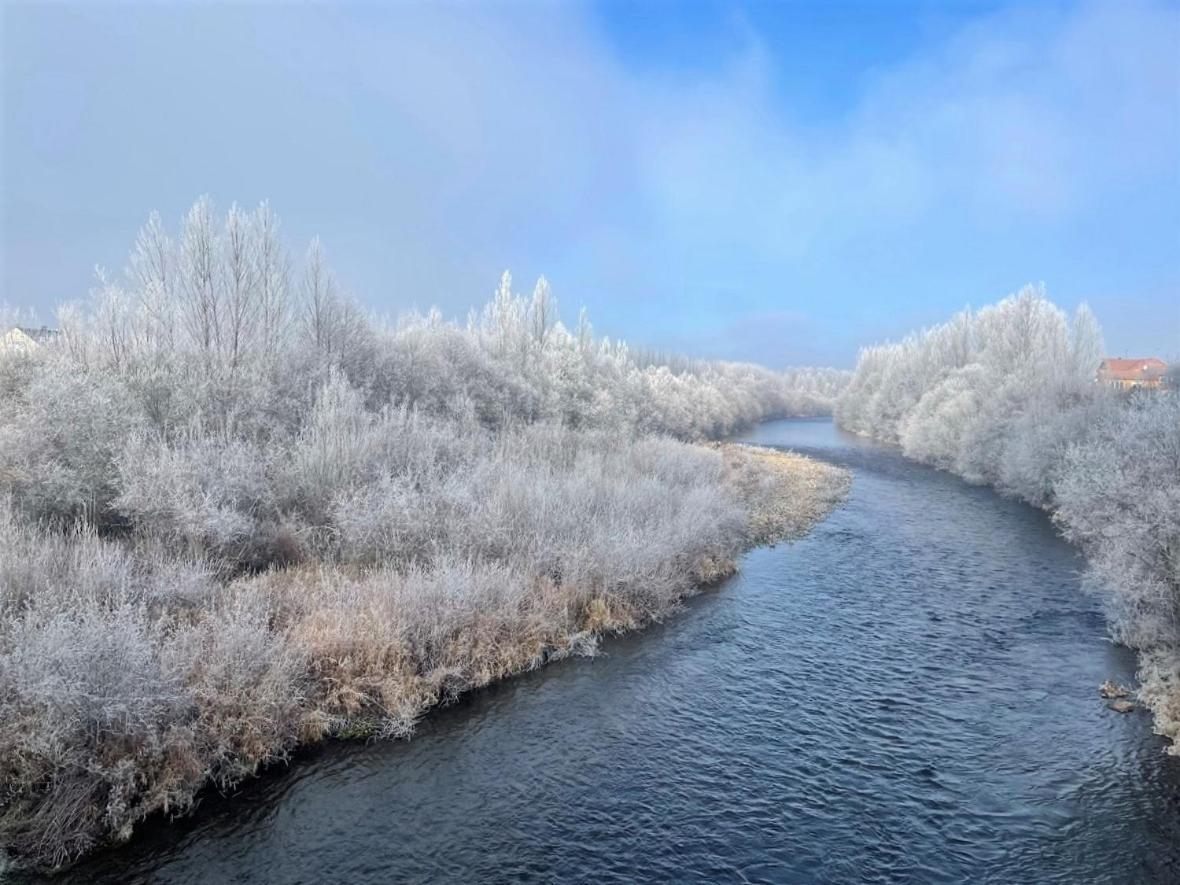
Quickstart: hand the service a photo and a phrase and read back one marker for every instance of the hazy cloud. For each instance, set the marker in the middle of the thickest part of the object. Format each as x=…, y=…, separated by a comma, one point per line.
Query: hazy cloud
x=433, y=146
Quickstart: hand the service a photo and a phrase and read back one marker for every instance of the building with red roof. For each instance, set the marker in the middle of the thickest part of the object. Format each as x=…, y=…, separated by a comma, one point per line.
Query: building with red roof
x=1129, y=374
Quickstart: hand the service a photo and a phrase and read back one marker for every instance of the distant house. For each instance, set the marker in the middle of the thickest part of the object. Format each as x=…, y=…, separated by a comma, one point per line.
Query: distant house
x=23, y=339
x=1130, y=374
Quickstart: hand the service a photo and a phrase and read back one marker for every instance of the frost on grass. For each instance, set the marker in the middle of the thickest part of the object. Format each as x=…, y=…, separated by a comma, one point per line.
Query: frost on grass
x=1007, y=397
x=784, y=493
x=237, y=514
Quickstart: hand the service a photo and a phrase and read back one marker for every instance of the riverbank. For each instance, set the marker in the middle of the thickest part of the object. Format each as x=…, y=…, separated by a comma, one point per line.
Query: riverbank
x=955, y=663
x=1006, y=397
x=126, y=694
x=375, y=680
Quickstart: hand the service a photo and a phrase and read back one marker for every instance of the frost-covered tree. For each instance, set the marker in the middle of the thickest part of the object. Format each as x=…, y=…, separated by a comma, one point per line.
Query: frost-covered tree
x=272, y=276
x=201, y=301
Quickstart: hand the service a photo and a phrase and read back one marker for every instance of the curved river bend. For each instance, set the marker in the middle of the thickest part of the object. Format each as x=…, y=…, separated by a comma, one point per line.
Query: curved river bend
x=907, y=694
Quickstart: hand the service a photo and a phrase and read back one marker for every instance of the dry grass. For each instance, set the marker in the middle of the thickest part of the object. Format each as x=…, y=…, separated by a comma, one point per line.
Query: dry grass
x=784, y=493
x=385, y=645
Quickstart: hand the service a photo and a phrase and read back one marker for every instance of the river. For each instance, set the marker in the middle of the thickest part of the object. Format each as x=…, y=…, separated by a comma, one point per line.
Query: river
x=907, y=694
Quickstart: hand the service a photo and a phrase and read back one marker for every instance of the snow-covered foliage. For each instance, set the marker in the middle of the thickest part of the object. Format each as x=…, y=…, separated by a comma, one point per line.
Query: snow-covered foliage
x=1008, y=397
x=217, y=324
x=237, y=513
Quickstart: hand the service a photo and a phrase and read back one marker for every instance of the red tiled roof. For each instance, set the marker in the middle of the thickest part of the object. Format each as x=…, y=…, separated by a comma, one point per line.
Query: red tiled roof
x=1119, y=369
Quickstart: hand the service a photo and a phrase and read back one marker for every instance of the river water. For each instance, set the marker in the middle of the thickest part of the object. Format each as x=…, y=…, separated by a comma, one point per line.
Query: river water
x=907, y=694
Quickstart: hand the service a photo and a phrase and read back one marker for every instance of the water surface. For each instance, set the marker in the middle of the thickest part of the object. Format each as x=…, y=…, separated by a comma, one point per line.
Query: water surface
x=907, y=694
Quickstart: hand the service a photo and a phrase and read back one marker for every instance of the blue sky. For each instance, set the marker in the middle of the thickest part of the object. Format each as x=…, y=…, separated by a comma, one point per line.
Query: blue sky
x=780, y=182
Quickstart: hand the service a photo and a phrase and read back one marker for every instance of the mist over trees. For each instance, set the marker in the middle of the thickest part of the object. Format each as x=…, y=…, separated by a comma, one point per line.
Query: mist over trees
x=216, y=350
x=223, y=301
x=1008, y=397
x=237, y=513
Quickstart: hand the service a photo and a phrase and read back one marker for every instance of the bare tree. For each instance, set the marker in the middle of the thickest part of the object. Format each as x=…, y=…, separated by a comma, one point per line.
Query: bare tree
x=243, y=296
x=152, y=268
x=272, y=275
x=542, y=312
x=319, y=298
x=201, y=300
x=1086, y=345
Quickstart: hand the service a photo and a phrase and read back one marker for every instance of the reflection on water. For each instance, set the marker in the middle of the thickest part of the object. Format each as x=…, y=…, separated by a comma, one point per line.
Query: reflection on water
x=907, y=694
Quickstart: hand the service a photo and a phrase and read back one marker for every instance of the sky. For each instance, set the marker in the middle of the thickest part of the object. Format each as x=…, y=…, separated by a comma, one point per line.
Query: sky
x=777, y=182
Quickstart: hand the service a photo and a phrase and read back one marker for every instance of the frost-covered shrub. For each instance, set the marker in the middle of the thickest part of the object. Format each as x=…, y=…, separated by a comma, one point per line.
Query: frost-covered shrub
x=391, y=520
x=88, y=715
x=200, y=492
x=595, y=512
x=248, y=687
x=337, y=448
x=1033, y=463
x=1119, y=496
x=109, y=713
x=125, y=685
x=61, y=429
